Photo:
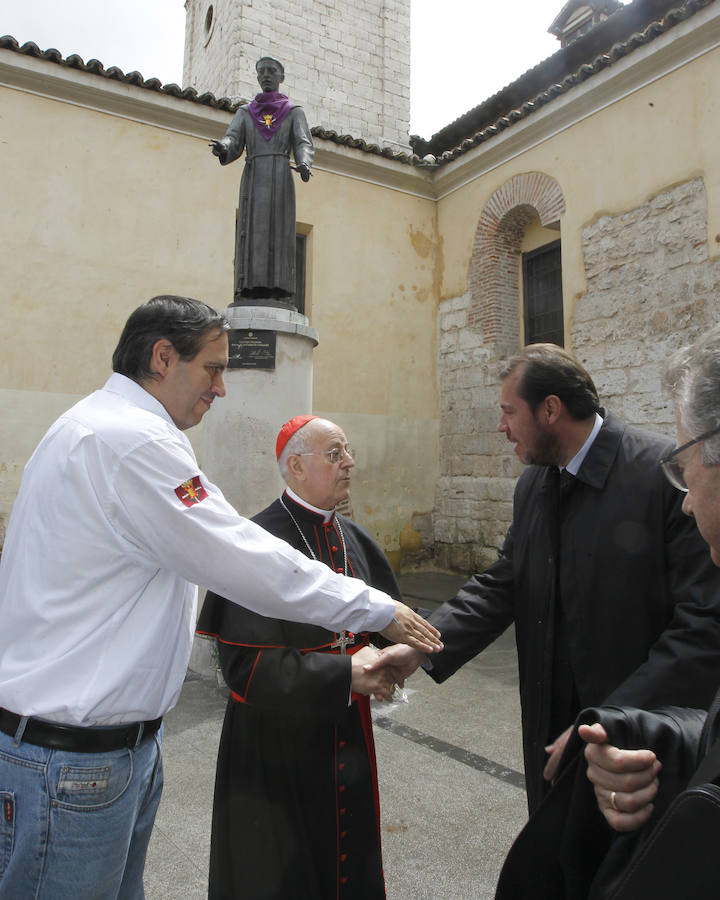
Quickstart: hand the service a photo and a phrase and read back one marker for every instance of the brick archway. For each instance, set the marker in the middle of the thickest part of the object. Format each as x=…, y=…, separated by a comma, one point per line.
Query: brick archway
x=492, y=276
x=473, y=502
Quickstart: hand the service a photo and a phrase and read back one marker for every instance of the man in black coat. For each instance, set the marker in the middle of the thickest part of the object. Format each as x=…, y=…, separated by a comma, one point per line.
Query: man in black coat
x=611, y=588
x=639, y=760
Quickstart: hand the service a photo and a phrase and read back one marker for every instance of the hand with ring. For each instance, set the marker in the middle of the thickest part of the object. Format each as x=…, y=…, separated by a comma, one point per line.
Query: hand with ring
x=633, y=774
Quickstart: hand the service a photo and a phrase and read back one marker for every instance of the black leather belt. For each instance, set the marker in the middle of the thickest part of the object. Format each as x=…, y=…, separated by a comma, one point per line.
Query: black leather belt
x=77, y=739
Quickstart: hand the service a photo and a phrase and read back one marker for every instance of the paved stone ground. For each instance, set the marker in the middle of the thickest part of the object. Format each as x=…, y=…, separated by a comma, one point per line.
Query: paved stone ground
x=449, y=760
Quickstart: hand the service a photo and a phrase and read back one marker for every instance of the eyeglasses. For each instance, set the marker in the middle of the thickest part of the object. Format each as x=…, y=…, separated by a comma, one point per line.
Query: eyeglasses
x=336, y=455
x=670, y=464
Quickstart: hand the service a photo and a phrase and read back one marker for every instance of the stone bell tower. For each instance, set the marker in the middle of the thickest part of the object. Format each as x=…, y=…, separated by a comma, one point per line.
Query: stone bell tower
x=347, y=64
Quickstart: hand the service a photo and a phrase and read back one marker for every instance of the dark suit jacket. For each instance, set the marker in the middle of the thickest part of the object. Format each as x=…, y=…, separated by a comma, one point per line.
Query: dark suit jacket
x=641, y=597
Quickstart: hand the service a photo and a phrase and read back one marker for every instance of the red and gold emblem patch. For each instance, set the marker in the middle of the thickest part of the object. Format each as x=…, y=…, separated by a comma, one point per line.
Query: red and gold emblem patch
x=191, y=492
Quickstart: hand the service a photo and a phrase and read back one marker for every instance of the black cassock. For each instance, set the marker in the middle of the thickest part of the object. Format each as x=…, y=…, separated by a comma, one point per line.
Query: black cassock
x=296, y=813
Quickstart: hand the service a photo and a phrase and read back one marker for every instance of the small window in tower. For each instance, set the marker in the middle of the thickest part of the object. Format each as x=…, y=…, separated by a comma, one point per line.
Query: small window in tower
x=209, y=23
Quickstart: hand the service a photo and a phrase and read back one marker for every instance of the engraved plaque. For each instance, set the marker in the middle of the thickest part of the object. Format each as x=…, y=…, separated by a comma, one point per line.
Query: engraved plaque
x=251, y=349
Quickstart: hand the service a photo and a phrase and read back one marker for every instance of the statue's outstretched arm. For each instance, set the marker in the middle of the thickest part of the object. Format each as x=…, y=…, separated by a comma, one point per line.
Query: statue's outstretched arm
x=232, y=144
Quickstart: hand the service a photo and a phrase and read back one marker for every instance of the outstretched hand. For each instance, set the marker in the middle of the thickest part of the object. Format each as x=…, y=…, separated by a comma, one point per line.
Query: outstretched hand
x=625, y=781
x=407, y=627
x=400, y=659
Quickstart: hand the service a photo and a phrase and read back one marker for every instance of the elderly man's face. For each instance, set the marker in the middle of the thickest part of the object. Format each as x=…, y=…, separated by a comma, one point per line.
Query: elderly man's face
x=702, y=500
x=325, y=483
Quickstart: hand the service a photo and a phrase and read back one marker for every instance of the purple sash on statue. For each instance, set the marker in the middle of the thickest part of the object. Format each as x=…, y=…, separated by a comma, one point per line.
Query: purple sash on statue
x=268, y=111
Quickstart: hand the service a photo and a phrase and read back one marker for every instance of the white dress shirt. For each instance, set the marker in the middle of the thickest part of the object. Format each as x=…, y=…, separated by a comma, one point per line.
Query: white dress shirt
x=107, y=539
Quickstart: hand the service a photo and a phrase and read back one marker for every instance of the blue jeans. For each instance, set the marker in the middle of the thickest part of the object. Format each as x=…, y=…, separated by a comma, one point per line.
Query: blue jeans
x=76, y=826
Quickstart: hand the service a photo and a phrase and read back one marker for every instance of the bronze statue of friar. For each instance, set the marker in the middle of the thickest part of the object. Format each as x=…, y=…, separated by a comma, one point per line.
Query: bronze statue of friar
x=268, y=129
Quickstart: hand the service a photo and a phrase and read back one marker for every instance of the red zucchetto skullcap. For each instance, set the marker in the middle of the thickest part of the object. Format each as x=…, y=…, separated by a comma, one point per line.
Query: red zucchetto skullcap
x=288, y=430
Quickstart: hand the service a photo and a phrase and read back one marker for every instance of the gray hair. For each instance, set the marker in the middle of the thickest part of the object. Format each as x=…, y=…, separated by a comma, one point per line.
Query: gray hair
x=693, y=381
x=299, y=443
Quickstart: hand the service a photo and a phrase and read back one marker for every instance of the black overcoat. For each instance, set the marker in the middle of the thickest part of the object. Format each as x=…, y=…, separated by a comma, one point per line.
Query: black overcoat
x=640, y=594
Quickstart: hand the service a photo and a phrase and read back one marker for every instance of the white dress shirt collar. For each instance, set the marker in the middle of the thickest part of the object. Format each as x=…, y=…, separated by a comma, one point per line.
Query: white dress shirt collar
x=573, y=466
x=130, y=390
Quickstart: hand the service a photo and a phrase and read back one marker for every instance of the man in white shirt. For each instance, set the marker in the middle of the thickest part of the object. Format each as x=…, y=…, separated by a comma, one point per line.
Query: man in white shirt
x=113, y=527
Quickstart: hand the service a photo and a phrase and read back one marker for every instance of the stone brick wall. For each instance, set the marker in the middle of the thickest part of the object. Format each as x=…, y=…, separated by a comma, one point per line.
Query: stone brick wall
x=474, y=492
x=651, y=287
x=347, y=64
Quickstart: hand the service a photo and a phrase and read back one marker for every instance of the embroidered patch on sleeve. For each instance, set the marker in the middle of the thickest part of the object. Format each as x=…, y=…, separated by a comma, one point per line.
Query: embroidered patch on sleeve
x=191, y=491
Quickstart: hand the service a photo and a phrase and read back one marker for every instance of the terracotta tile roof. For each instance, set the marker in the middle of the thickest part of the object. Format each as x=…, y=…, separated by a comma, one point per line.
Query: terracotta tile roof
x=628, y=28
x=95, y=67
x=347, y=140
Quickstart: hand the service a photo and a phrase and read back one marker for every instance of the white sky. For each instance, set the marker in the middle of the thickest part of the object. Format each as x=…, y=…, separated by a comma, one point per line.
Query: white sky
x=463, y=51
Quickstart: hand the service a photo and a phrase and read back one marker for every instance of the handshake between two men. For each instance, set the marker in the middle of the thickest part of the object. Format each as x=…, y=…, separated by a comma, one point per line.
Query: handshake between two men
x=378, y=672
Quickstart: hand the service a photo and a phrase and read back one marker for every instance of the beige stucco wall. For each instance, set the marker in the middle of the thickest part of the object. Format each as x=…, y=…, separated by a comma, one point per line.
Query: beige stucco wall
x=374, y=307
x=110, y=196
x=100, y=213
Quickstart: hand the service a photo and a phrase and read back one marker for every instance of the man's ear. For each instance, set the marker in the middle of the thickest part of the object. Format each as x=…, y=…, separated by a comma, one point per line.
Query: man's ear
x=163, y=354
x=295, y=466
x=552, y=409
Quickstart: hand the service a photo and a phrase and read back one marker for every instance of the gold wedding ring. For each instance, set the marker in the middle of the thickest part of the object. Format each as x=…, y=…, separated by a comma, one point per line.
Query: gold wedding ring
x=612, y=801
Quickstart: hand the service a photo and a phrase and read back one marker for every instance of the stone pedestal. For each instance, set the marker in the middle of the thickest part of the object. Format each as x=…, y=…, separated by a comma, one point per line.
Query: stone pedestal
x=239, y=431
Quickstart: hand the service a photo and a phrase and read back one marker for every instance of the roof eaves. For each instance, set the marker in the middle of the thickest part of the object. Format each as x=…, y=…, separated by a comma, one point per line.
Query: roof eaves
x=95, y=67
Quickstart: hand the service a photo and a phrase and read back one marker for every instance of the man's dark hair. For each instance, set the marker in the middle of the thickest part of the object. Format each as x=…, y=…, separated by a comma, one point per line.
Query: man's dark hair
x=181, y=320
x=546, y=369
